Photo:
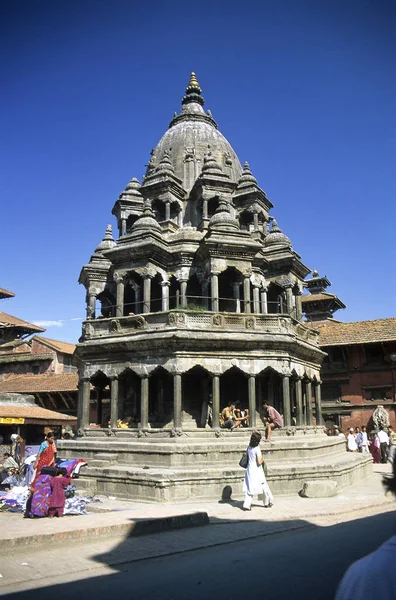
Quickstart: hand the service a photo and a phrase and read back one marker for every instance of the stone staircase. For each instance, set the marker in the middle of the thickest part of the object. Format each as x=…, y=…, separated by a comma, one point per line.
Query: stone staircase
x=200, y=466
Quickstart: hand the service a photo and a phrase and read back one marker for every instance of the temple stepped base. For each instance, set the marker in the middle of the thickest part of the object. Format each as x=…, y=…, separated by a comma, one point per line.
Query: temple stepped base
x=205, y=467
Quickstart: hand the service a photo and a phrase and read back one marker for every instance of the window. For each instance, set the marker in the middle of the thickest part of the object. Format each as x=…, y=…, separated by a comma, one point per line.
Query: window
x=331, y=392
x=35, y=370
x=379, y=394
x=374, y=354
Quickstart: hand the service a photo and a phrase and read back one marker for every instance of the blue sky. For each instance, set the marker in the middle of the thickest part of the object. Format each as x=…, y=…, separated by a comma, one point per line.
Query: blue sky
x=305, y=90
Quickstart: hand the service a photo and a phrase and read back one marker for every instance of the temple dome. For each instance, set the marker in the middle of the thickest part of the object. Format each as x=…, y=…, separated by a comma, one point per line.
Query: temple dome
x=191, y=135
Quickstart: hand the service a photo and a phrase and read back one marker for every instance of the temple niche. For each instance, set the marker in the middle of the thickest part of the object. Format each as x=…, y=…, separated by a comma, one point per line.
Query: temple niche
x=195, y=302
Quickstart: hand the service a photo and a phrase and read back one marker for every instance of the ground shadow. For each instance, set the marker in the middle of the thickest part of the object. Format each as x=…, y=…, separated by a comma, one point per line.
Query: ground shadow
x=285, y=558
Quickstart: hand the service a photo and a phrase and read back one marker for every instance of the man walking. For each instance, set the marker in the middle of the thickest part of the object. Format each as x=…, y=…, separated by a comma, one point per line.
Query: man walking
x=272, y=418
x=383, y=439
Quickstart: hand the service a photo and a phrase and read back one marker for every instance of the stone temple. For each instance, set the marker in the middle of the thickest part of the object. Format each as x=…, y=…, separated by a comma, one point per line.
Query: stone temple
x=200, y=306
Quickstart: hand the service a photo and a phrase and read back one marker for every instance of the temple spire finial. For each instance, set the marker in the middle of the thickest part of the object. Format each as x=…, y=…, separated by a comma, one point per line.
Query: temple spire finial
x=193, y=92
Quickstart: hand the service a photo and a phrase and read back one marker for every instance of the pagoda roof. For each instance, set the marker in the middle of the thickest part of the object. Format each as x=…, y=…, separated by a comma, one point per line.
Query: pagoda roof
x=322, y=296
x=6, y=294
x=29, y=384
x=11, y=321
x=336, y=333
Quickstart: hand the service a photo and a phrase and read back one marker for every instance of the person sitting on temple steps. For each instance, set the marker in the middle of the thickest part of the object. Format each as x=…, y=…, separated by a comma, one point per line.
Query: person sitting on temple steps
x=272, y=419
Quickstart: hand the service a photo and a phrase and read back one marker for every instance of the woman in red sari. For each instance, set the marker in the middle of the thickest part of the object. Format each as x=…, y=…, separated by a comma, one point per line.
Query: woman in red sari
x=46, y=455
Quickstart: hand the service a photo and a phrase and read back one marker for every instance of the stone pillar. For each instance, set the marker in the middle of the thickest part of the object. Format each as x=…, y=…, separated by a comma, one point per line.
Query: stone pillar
x=256, y=299
x=308, y=401
x=286, y=400
x=215, y=401
x=180, y=218
x=255, y=222
x=165, y=295
x=123, y=227
x=264, y=301
x=147, y=294
x=114, y=401
x=99, y=393
x=205, y=294
x=298, y=306
x=215, y=292
x=183, y=293
x=120, y=297
x=318, y=403
x=85, y=401
x=205, y=209
x=299, y=403
x=167, y=211
x=144, y=401
x=237, y=296
x=91, y=306
x=177, y=400
x=289, y=300
x=252, y=400
x=246, y=294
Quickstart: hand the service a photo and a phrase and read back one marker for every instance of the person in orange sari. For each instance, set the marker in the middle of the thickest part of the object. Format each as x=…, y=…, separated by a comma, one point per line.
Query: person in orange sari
x=46, y=455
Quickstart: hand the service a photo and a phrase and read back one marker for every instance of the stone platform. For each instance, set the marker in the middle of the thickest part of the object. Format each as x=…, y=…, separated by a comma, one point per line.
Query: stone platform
x=197, y=465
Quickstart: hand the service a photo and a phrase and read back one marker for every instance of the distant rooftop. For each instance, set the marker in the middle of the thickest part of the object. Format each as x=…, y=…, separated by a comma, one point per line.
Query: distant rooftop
x=336, y=333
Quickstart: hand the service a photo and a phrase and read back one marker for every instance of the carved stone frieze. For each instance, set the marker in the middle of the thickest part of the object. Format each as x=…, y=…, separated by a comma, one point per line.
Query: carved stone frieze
x=176, y=318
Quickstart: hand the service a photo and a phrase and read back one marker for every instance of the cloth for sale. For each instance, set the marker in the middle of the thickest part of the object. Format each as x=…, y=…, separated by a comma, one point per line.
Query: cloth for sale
x=76, y=505
x=41, y=496
x=72, y=466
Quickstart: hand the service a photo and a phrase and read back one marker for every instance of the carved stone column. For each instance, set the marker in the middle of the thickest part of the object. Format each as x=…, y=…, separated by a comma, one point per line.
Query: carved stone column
x=147, y=294
x=289, y=299
x=246, y=294
x=84, y=385
x=237, y=295
x=113, y=401
x=299, y=403
x=286, y=400
x=205, y=209
x=318, y=403
x=144, y=401
x=298, y=306
x=264, y=301
x=252, y=400
x=91, y=306
x=177, y=400
x=120, y=296
x=167, y=211
x=256, y=299
x=183, y=293
x=215, y=401
x=123, y=227
x=215, y=292
x=255, y=221
x=308, y=401
x=165, y=295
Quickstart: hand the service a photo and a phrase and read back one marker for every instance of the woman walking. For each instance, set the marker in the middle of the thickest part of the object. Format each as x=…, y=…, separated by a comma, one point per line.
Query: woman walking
x=255, y=481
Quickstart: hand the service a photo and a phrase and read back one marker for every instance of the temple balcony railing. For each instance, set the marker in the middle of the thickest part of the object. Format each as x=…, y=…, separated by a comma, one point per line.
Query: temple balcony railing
x=199, y=321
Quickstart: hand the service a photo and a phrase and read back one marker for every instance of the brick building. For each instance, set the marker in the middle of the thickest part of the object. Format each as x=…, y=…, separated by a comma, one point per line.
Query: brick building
x=359, y=372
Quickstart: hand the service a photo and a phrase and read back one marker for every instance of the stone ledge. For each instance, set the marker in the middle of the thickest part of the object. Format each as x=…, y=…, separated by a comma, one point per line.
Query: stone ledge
x=124, y=530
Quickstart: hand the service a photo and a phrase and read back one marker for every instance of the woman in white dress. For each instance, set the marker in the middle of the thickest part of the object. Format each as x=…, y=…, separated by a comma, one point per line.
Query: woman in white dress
x=255, y=482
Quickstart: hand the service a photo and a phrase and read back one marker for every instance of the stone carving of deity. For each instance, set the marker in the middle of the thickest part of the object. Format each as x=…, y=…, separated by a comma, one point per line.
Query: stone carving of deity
x=380, y=417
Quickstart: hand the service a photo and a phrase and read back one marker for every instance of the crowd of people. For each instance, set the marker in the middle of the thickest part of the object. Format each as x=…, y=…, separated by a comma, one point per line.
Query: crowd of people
x=381, y=443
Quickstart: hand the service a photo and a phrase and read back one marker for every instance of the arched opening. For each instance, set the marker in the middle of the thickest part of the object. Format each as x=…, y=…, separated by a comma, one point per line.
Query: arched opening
x=100, y=411
x=234, y=388
x=158, y=208
x=269, y=389
x=230, y=288
x=133, y=295
x=196, y=390
x=107, y=302
x=156, y=294
x=131, y=220
x=213, y=203
x=275, y=299
x=174, y=293
x=246, y=220
x=194, y=292
x=160, y=398
x=129, y=398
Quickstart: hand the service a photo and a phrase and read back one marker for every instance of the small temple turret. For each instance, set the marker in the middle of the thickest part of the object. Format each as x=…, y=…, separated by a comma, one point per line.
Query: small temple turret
x=319, y=305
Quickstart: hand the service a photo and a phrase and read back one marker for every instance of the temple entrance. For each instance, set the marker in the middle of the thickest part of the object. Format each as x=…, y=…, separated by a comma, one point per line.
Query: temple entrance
x=275, y=299
x=234, y=388
x=156, y=294
x=133, y=295
x=196, y=390
x=229, y=290
x=160, y=398
x=100, y=414
x=129, y=398
x=269, y=389
x=194, y=293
